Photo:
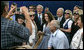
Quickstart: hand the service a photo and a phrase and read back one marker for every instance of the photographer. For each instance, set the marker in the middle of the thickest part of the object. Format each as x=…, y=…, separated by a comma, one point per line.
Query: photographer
x=12, y=33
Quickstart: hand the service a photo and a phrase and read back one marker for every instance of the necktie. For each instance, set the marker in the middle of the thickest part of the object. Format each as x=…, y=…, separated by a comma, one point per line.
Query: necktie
x=39, y=18
x=59, y=19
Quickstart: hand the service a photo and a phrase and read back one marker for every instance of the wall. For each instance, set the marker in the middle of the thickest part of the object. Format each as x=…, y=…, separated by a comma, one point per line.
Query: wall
x=53, y=5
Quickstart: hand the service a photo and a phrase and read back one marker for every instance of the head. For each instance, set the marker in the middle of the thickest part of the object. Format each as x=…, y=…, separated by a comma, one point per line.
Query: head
x=4, y=7
x=39, y=9
x=76, y=14
x=14, y=5
x=31, y=8
x=76, y=7
x=60, y=12
x=54, y=25
x=32, y=15
x=47, y=17
x=80, y=21
x=68, y=14
x=20, y=18
x=46, y=9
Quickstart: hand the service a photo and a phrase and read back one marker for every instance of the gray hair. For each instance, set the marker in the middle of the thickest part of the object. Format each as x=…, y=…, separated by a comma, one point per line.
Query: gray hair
x=56, y=24
x=6, y=2
x=61, y=9
x=40, y=6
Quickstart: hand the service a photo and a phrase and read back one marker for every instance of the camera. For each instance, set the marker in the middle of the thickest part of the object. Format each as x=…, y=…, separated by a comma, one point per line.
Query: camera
x=19, y=10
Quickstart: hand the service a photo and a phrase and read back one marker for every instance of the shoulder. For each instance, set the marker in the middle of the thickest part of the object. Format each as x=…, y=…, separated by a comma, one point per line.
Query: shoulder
x=60, y=34
x=7, y=21
x=81, y=30
x=70, y=21
x=44, y=25
x=4, y=19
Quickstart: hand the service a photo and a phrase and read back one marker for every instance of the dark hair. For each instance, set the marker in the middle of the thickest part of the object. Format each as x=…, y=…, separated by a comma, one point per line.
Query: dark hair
x=50, y=17
x=20, y=16
x=14, y=4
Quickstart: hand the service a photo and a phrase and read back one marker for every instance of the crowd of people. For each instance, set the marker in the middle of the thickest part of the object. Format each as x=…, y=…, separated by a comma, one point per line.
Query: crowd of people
x=25, y=25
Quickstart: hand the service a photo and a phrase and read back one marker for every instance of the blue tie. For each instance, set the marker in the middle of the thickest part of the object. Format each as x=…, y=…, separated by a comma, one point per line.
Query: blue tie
x=39, y=18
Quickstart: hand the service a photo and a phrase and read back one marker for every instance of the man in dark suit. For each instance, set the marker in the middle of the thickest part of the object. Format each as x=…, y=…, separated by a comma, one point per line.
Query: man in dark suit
x=60, y=16
x=38, y=17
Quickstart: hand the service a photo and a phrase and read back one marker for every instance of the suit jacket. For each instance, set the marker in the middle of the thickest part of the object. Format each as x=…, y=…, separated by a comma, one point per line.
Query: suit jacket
x=61, y=22
x=39, y=26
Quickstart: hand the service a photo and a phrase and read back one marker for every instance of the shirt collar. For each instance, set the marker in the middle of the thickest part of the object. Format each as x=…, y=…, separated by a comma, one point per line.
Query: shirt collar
x=60, y=17
x=55, y=33
x=40, y=14
x=67, y=19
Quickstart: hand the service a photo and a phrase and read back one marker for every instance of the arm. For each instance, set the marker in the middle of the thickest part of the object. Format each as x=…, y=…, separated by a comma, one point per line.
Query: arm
x=27, y=17
x=50, y=43
x=66, y=30
x=20, y=32
x=69, y=27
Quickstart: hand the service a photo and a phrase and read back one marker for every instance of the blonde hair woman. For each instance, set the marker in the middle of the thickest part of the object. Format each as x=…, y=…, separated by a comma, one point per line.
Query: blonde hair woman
x=67, y=24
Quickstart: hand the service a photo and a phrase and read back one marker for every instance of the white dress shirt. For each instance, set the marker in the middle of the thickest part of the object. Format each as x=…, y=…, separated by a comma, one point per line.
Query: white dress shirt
x=58, y=40
x=60, y=18
x=76, y=40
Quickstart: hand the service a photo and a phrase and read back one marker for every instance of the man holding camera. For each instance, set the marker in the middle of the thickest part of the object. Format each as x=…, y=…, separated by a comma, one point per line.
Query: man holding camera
x=12, y=33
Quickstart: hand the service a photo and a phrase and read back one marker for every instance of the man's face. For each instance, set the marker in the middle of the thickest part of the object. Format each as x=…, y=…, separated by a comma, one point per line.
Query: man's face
x=39, y=9
x=31, y=8
x=51, y=26
x=12, y=6
x=59, y=13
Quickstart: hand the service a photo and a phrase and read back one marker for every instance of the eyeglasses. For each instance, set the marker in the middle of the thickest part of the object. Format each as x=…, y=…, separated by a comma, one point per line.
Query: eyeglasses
x=32, y=15
x=76, y=14
x=67, y=13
